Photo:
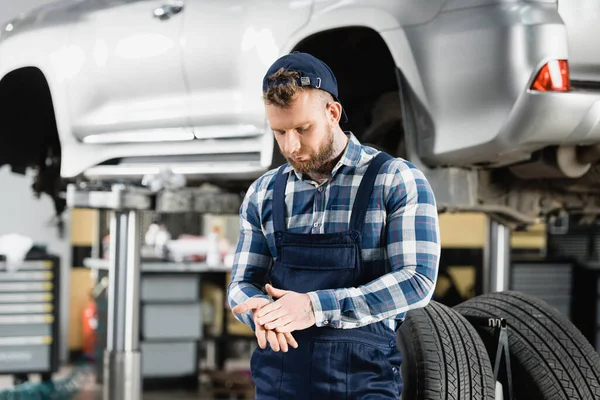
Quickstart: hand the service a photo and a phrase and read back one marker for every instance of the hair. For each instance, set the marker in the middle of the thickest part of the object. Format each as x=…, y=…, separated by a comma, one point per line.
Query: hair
x=282, y=94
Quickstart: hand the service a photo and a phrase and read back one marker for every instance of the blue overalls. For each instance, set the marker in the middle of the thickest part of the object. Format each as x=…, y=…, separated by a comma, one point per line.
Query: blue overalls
x=329, y=363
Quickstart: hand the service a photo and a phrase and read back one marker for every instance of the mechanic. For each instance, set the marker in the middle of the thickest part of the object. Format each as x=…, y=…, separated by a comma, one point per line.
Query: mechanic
x=335, y=246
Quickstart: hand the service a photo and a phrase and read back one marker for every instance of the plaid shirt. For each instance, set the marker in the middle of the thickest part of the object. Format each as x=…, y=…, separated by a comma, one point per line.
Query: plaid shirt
x=403, y=234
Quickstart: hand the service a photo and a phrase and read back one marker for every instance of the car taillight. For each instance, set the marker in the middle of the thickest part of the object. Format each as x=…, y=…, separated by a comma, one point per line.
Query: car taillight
x=553, y=77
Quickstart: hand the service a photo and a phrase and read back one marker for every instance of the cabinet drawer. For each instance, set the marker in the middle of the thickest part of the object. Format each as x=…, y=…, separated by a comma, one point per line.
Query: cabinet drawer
x=24, y=358
x=170, y=288
x=169, y=321
x=30, y=265
x=25, y=286
x=27, y=308
x=26, y=276
x=26, y=297
x=22, y=330
x=168, y=359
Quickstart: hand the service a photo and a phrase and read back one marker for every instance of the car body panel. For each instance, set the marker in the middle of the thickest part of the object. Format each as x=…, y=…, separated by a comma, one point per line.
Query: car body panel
x=581, y=17
x=383, y=13
x=471, y=88
x=224, y=80
x=131, y=76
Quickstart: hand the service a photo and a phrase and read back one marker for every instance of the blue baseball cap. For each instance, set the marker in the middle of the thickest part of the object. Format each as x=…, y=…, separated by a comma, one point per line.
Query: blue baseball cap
x=312, y=72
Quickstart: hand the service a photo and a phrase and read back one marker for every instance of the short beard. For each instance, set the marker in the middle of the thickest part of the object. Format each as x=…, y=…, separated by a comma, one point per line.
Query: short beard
x=320, y=161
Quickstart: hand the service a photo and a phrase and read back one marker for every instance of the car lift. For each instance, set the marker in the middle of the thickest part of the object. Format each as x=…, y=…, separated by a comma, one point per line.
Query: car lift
x=496, y=268
x=496, y=278
x=122, y=357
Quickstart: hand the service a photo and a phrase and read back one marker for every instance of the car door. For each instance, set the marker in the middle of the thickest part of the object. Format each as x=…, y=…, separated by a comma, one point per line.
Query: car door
x=130, y=86
x=228, y=46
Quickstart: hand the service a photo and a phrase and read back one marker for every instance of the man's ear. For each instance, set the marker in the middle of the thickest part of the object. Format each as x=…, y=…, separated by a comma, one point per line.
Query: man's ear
x=334, y=112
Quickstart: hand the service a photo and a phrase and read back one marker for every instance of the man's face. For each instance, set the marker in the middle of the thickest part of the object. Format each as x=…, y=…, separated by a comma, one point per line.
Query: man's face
x=304, y=132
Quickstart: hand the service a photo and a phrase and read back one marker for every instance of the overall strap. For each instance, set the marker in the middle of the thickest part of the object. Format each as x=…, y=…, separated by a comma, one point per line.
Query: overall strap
x=278, y=208
x=363, y=195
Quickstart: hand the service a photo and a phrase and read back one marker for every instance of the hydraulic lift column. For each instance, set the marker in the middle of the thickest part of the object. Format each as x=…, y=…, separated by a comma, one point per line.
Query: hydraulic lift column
x=496, y=263
x=122, y=358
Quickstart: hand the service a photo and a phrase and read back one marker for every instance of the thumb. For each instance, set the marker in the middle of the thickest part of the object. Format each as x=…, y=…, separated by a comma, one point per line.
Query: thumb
x=251, y=304
x=275, y=292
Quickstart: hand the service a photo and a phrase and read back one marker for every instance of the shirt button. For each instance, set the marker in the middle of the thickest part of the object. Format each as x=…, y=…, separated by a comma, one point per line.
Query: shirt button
x=320, y=189
x=392, y=343
x=394, y=370
x=316, y=224
x=325, y=322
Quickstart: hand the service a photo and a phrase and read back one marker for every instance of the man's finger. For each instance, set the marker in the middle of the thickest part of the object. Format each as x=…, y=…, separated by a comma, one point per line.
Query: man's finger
x=290, y=339
x=268, y=308
x=250, y=304
x=283, y=345
x=287, y=327
x=281, y=321
x=272, y=338
x=272, y=316
x=273, y=292
x=261, y=336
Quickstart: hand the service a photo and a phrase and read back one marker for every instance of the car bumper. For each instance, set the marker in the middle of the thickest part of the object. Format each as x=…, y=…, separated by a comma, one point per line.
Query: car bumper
x=555, y=118
x=537, y=120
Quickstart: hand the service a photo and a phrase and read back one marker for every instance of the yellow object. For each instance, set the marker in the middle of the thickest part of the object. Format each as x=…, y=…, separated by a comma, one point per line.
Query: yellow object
x=463, y=230
x=82, y=227
x=469, y=231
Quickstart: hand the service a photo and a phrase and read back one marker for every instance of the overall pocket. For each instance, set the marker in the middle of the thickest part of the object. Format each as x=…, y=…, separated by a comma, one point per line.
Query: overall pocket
x=370, y=373
x=305, y=268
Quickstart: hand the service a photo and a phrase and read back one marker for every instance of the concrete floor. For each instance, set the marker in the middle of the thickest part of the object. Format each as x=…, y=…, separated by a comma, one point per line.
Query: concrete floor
x=97, y=395
x=92, y=391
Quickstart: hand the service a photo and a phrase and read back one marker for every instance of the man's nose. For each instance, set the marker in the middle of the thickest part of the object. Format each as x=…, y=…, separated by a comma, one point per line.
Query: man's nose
x=292, y=142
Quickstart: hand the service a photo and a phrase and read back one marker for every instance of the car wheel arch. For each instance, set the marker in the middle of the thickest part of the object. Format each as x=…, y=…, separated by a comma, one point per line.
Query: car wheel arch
x=30, y=135
x=364, y=83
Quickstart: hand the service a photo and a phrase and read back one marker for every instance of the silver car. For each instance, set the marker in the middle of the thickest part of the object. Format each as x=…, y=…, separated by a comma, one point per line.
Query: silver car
x=498, y=101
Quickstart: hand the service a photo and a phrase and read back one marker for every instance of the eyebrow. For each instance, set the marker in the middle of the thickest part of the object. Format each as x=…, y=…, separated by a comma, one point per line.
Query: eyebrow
x=297, y=126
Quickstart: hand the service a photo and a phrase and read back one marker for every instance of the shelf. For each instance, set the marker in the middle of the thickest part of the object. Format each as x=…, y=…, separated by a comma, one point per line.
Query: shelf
x=161, y=266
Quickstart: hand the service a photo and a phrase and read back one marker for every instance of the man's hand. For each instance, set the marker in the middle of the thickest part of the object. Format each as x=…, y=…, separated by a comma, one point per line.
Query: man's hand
x=277, y=341
x=291, y=312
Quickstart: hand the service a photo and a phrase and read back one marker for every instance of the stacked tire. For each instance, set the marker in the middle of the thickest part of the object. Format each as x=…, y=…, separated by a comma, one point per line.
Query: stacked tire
x=446, y=357
x=443, y=357
x=550, y=358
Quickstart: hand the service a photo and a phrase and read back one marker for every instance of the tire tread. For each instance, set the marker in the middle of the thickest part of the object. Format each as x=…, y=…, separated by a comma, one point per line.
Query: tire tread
x=452, y=362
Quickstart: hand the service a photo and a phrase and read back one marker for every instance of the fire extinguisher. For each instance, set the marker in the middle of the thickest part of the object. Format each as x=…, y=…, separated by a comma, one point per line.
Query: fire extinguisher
x=90, y=324
x=90, y=321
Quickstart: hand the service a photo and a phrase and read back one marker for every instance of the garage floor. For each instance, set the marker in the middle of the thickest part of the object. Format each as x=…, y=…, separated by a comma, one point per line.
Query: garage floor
x=97, y=395
x=93, y=391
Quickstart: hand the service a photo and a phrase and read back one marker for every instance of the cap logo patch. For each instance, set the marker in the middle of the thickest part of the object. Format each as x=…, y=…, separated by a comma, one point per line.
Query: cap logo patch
x=305, y=80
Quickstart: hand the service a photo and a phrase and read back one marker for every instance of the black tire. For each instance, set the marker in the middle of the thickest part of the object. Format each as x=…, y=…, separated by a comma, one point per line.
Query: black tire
x=443, y=357
x=550, y=358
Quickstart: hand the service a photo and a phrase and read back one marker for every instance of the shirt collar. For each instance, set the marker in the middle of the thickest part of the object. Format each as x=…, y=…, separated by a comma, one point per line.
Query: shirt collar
x=353, y=156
